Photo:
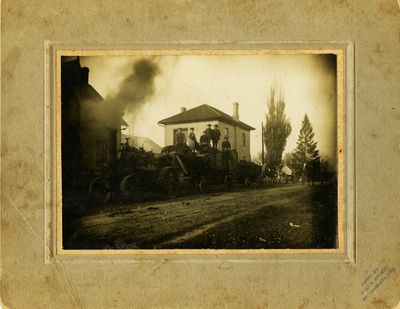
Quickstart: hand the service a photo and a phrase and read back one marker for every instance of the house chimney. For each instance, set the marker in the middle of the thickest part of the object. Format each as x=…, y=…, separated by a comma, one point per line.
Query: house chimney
x=235, y=114
x=183, y=109
x=85, y=76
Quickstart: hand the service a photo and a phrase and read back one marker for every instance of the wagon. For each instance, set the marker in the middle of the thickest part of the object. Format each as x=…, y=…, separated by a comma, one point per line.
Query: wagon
x=248, y=173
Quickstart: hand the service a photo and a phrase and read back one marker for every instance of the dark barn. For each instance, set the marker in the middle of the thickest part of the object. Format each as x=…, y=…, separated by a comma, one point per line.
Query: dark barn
x=89, y=139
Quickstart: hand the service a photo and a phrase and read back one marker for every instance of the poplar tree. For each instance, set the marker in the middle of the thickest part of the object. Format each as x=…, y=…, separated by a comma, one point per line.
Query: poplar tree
x=277, y=129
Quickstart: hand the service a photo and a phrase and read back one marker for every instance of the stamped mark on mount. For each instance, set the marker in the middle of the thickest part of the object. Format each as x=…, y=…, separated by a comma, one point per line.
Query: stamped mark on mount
x=375, y=279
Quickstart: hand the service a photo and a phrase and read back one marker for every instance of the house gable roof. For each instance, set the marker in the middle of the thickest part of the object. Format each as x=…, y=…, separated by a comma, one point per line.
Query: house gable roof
x=201, y=113
x=87, y=92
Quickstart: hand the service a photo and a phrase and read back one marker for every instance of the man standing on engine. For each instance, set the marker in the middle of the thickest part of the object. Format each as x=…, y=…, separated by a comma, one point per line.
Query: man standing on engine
x=179, y=139
x=208, y=132
x=216, y=135
x=226, y=145
x=192, y=142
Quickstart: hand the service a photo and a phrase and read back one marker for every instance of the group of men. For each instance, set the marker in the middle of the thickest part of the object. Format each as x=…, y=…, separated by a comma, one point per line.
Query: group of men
x=209, y=136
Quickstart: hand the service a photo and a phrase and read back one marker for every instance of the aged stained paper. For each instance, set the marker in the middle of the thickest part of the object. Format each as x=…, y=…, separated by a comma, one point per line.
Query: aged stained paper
x=34, y=275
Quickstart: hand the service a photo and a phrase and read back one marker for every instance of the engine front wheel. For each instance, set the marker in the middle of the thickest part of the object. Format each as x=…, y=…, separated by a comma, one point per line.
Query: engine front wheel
x=203, y=185
x=228, y=182
x=130, y=187
x=99, y=191
x=247, y=182
x=169, y=181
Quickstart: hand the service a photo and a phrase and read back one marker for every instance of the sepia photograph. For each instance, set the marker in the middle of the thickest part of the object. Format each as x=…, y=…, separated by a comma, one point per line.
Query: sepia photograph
x=188, y=150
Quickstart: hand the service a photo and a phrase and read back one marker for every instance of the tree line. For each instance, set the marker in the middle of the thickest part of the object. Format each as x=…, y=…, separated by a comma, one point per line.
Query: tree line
x=275, y=133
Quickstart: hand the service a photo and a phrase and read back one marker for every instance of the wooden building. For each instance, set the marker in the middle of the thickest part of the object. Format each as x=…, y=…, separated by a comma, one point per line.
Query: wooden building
x=89, y=139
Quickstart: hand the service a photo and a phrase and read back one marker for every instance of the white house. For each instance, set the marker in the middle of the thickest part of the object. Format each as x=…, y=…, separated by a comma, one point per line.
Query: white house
x=238, y=132
x=139, y=141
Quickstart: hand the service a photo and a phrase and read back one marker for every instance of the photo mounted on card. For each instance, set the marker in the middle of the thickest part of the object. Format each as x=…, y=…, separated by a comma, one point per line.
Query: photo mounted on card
x=200, y=151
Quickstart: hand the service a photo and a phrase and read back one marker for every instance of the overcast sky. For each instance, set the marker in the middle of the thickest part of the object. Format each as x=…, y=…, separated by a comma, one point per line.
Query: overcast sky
x=308, y=83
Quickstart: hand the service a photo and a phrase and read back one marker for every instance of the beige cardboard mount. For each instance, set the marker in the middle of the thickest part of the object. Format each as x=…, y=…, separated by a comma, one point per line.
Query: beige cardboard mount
x=364, y=274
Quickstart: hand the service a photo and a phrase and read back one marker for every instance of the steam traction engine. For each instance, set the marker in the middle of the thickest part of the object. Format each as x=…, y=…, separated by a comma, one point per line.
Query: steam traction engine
x=133, y=174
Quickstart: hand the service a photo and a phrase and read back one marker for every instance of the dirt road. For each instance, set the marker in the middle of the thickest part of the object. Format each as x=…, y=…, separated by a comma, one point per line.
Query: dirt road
x=287, y=216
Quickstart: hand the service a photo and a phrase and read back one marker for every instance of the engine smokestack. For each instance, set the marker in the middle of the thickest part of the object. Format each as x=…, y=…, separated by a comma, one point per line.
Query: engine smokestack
x=235, y=114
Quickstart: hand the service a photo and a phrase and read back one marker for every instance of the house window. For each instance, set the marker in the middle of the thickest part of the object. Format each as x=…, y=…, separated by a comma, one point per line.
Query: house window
x=226, y=133
x=184, y=131
x=101, y=152
x=244, y=139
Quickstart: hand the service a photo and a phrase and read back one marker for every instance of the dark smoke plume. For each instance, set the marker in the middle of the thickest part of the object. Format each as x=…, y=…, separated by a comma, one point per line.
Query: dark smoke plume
x=135, y=89
x=130, y=97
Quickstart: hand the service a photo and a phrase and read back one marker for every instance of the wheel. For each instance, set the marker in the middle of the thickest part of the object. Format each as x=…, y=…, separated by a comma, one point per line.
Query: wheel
x=228, y=182
x=260, y=180
x=98, y=191
x=130, y=186
x=203, y=185
x=169, y=181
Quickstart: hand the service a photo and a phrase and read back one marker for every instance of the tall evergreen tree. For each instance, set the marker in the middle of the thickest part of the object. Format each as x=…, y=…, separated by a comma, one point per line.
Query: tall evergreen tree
x=277, y=129
x=306, y=149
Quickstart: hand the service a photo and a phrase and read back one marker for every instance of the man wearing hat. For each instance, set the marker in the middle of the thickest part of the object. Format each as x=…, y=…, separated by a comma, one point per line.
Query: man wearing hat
x=192, y=142
x=216, y=135
x=203, y=138
x=209, y=133
x=179, y=139
x=225, y=144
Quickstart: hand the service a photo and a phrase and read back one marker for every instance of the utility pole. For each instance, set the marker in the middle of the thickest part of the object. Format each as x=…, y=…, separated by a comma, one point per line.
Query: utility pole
x=262, y=143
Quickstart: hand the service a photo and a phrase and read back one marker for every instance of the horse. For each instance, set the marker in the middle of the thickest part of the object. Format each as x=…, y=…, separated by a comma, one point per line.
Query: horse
x=270, y=172
x=312, y=171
